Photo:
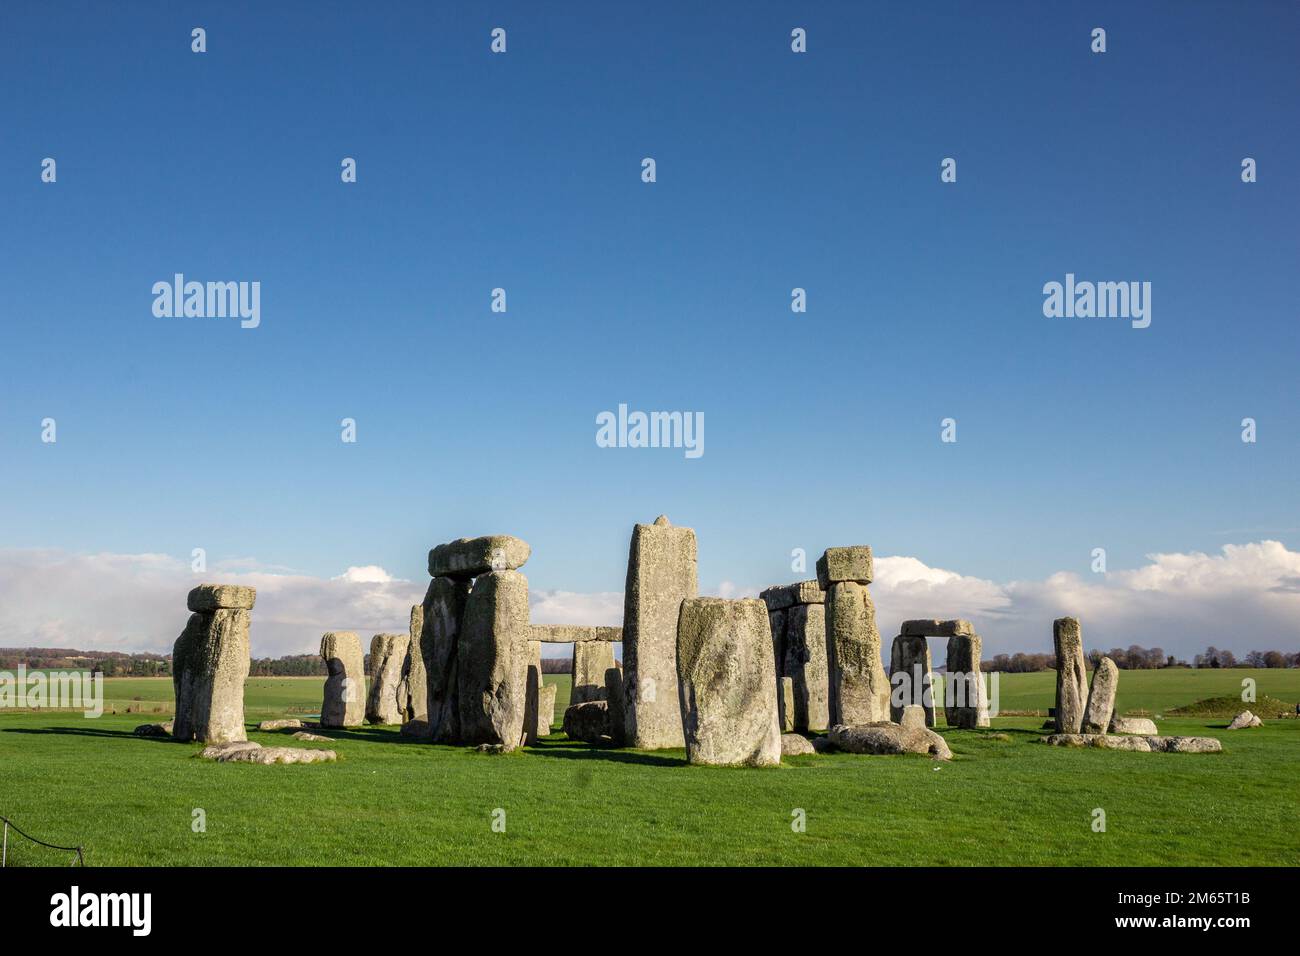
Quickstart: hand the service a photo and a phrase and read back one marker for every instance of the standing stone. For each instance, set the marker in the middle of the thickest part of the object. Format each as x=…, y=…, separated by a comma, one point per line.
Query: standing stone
x=965, y=702
x=859, y=689
x=910, y=677
x=727, y=691
x=785, y=704
x=345, y=688
x=776, y=620
x=444, y=614
x=590, y=661
x=387, y=655
x=492, y=660
x=614, y=695
x=913, y=716
x=535, y=661
x=805, y=665
x=416, y=706
x=539, y=712
x=210, y=664
x=661, y=574
x=1071, y=676
x=1101, y=698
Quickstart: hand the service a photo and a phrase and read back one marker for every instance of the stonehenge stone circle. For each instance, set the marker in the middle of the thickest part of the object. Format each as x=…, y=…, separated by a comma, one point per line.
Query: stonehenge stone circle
x=1101, y=698
x=1071, y=675
x=345, y=688
x=965, y=703
x=590, y=661
x=467, y=558
x=444, y=613
x=387, y=655
x=492, y=660
x=414, y=676
x=661, y=574
x=838, y=565
x=210, y=663
x=858, y=690
x=883, y=737
x=726, y=684
x=910, y=676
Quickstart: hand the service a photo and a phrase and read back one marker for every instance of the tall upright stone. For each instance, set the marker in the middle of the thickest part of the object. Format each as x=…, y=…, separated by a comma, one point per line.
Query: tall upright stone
x=614, y=696
x=590, y=661
x=1101, y=698
x=210, y=664
x=387, y=656
x=858, y=686
x=414, y=676
x=727, y=683
x=493, y=660
x=344, y=704
x=910, y=677
x=661, y=574
x=1071, y=675
x=443, y=613
x=805, y=665
x=965, y=702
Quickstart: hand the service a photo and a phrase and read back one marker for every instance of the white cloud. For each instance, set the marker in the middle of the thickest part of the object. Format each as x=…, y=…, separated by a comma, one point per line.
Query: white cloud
x=1243, y=598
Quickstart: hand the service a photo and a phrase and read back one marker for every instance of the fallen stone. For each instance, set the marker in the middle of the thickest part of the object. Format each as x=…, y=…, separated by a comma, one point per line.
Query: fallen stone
x=285, y=723
x=1244, y=720
x=492, y=660
x=491, y=749
x=1101, y=698
x=214, y=597
x=930, y=628
x=889, y=738
x=588, y=721
x=209, y=666
x=218, y=751
x=469, y=557
x=315, y=738
x=858, y=690
x=270, y=755
x=914, y=717
x=1143, y=744
x=661, y=574
x=1128, y=725
x=444, y=615
x=590, y=661
x=344, y=704
x=154, y=730
x=1071, y=675
x=387, y=656
x=838, y=565
x=724, y=669
x=795, y=745
x=417, y=728
x=823, y=745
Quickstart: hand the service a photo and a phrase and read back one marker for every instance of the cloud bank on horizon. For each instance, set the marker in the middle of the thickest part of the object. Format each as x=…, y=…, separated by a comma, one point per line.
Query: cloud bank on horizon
x=1245, y=597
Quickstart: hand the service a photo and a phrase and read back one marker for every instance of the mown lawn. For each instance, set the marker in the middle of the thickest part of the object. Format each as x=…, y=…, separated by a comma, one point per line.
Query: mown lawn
x=1004, y=800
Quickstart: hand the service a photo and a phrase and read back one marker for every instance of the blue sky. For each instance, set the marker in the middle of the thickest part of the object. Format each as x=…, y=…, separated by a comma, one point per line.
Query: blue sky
x=522, y=171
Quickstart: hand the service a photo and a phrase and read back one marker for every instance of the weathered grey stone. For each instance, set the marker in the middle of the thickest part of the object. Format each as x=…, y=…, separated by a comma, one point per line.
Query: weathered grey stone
x=930, y=628
x=590, y=661
x=573, y=633
x=545, y=709
x=1131, y=725
x=785, y=704
x=808, y=592
x=444, y=614
x=823, y=744
x=493, y=660
x=535, y=662
x=1101, y=698
x=838, y=565
x=1071, y=675
x=154, y=730
x=414, y=677
x=268, y=755
x=911, y=677
x=214, y=597
x=209, y=666
x=1244, y=720
x=387, y=655
x=914, y=716
x=614, y=696
x=777, y=598
x=795, y=745
x=469, y=557
x=417, y=729
x=726, y=684
x=588, y=721
x=286, y=723
x=889, y=738
x=805, y=665
x=965, y=703
x=858, y=687
x=1187, y=745
x=218, y=751
x=314, y=738
x=661, y=574
x=776, y=621
x=345, y=688
x=1142, y=744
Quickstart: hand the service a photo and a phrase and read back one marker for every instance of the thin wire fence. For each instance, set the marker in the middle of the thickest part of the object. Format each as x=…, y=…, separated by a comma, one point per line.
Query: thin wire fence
x=4, y=846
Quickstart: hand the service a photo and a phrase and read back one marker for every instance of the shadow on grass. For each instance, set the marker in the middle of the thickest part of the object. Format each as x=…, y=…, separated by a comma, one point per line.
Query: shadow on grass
x=86, y=732
x=562, y=748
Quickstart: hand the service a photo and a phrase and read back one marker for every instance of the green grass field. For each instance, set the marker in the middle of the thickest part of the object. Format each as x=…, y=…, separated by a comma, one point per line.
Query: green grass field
x=1003, y=800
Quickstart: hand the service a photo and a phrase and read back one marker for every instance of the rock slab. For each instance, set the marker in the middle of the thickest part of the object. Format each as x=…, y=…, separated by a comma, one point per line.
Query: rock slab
x=858, y=690
x=344, y=704
x=1101, y=698
x=492, y=660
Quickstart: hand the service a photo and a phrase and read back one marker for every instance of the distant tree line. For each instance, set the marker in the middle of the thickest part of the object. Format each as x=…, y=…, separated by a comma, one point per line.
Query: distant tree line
x=1137, y=658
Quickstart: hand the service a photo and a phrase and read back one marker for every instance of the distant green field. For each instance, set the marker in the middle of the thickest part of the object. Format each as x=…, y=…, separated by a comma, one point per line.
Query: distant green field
x=1004, y=800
